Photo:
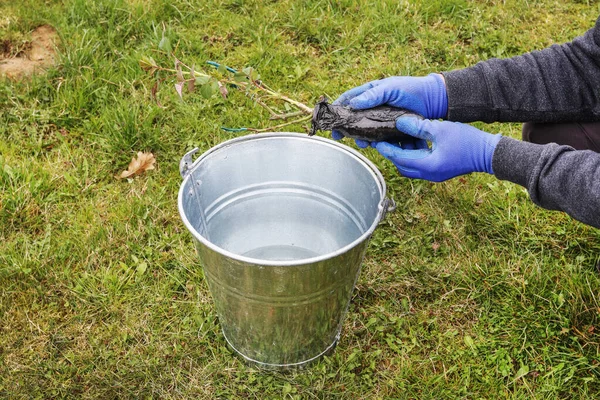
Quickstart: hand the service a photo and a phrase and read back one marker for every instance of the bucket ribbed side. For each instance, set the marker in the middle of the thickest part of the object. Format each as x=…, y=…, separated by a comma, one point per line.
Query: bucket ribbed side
x=281, y=223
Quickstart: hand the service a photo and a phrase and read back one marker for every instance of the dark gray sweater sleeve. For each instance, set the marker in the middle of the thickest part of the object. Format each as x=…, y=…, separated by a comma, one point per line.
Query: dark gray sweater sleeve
x=556, y=177
x=558, y=84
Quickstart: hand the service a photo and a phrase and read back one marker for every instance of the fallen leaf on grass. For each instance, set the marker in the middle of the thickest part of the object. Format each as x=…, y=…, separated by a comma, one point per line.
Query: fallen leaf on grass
x=143, y=162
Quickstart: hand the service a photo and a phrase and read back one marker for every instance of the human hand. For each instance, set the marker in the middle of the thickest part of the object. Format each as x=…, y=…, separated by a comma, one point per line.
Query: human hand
x=423, y=95
x=456, y=149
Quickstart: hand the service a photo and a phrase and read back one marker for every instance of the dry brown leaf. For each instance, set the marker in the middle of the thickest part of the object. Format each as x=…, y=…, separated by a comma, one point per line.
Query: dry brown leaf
x=143, y=162
x=192, y=82
x=223, y=90
x=179, y=89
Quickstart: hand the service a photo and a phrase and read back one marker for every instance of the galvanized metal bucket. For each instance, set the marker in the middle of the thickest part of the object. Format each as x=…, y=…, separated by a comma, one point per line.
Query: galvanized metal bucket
x=281, y=222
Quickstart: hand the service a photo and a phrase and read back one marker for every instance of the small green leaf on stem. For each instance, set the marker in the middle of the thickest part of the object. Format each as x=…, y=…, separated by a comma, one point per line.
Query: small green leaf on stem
x=214, y=85
x=202, y=79
x=148, y=64
x=206, y=90
x=251, y=73
x=222, y=69
x=240, y=77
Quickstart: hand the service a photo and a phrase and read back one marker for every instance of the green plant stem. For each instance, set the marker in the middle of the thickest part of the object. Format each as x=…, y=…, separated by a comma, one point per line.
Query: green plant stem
x=288, y=115
x=270, y=128
x=273, y=94
x=306, y=109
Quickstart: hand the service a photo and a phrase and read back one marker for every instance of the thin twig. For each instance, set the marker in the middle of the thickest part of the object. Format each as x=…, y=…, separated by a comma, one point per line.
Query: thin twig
x=303, y=107
x=287, y=115
x=252, y=89
x=274, y=115
x=270, y=128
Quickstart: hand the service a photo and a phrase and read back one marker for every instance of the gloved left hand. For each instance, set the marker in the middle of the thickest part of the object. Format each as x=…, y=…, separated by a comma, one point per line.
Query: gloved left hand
x=424, y=95
x=456, y=149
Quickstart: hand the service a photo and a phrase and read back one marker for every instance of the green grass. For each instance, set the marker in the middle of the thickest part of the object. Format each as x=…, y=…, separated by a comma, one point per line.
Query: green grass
x=468, y=290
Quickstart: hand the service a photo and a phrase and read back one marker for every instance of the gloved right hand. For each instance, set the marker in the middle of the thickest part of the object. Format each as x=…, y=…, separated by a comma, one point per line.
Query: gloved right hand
x=456, y=149
x=423, y=95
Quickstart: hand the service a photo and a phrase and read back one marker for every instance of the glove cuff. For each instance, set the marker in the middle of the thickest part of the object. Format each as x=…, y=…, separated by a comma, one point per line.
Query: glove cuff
x=488, y=152
x=438, y=103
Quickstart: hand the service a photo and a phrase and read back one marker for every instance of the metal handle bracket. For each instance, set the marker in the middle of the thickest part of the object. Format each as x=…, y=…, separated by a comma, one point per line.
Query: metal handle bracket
x=389, y=205
x=186, y=163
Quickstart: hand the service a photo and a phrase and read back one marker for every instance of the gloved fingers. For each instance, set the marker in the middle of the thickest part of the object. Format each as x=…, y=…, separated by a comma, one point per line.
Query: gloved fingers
x=384, y=94
x=336, y=135
x=408, y=172
x=419, y=128
x=352, y=93
x=400, y=156
x=411, y=163
x=370, y=98
x=363, y=144
x=388, y=150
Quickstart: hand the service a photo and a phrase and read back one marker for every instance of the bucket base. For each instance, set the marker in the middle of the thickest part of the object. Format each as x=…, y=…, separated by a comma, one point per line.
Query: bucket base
x=297, y=365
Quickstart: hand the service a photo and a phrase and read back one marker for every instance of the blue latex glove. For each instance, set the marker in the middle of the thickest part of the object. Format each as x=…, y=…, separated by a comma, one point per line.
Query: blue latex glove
x=456, y=149
x=423, y=95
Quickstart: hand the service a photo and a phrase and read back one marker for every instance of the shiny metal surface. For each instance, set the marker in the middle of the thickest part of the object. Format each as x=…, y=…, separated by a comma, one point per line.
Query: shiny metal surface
x=281, y=222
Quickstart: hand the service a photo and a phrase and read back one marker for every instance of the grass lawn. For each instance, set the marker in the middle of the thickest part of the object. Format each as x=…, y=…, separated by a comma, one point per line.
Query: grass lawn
x=467, y=291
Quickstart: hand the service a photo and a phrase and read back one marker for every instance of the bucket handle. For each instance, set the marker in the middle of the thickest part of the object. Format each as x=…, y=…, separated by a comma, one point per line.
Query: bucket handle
x=186, y=166
x=187, y=163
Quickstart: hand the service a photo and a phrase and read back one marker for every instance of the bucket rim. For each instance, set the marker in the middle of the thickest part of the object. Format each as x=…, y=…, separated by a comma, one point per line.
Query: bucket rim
x=382, y=206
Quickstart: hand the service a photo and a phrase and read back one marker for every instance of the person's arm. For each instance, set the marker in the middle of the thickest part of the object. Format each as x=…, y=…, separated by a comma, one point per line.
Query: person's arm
x=558, y=84
x=556, y=177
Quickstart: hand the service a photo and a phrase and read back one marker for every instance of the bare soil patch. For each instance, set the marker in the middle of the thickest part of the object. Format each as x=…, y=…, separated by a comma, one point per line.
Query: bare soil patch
x=35, y=57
